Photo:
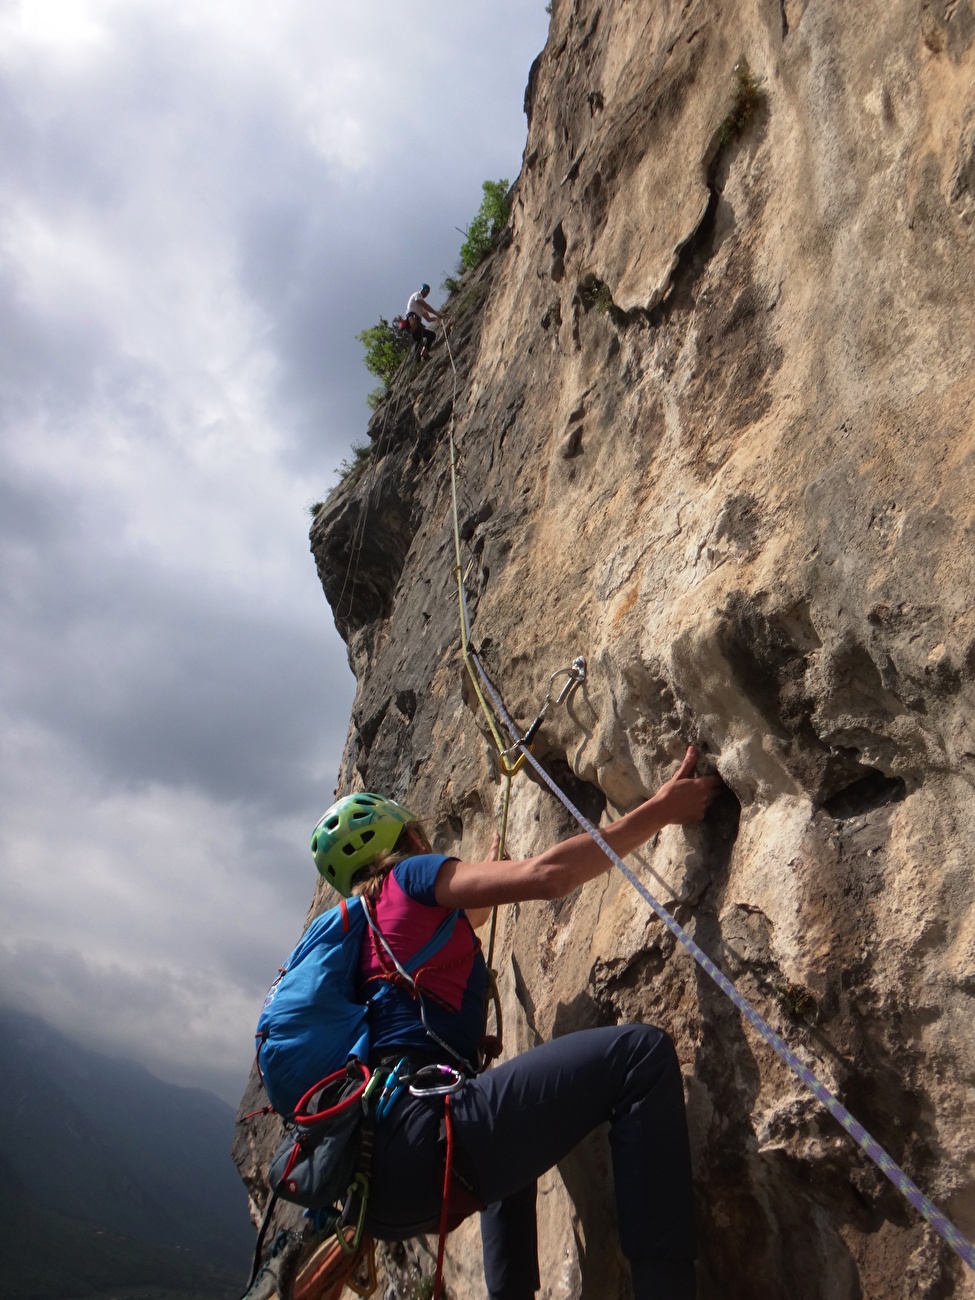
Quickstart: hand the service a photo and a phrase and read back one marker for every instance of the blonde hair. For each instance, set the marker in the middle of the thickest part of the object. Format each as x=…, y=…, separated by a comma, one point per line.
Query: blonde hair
x=369, y=879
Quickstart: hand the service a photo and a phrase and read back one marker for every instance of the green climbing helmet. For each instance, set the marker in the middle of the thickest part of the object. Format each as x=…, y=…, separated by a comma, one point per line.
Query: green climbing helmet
x=353, y=832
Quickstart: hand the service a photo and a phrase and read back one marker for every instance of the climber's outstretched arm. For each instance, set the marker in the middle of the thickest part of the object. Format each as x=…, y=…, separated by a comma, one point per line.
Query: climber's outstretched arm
x=566, y=866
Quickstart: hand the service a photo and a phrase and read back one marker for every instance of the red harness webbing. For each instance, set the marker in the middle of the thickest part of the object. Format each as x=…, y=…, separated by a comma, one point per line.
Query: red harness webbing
x=445, y=1212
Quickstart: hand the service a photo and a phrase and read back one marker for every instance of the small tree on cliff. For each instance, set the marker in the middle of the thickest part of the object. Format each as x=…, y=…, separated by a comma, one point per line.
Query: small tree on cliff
x=385, y=346
x=491, y=218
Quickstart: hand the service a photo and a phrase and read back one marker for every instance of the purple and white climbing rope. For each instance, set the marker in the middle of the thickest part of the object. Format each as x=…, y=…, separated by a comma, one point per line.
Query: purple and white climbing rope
x=923, y=1204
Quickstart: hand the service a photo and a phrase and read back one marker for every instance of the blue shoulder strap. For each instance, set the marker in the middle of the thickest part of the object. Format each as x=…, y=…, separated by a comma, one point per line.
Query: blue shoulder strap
x=432, y=946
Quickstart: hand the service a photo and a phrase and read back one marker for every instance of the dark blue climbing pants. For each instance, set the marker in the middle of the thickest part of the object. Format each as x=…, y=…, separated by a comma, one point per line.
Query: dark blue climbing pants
x=517, y=1121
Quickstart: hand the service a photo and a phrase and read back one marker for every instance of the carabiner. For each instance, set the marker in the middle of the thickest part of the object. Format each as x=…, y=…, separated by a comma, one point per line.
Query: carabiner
x=393, y=1087
x=576, y=676
x=457, y=1081
x=360, y=1185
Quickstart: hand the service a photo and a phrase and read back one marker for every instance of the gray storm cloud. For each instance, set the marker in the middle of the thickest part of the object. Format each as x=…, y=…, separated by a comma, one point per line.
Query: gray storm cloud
x=198, y=211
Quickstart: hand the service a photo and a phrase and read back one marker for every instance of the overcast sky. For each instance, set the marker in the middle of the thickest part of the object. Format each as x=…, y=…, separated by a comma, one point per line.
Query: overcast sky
x=200, y=206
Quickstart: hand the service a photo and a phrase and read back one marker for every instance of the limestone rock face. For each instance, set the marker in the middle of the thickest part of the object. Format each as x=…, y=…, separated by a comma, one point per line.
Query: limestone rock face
x=715, y=419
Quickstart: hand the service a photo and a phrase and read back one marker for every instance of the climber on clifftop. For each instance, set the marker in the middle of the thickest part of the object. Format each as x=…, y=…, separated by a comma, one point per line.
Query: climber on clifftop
x=519, y=1119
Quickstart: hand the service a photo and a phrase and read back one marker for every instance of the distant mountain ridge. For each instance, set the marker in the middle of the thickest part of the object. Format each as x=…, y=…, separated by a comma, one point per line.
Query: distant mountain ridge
x=129, y=1168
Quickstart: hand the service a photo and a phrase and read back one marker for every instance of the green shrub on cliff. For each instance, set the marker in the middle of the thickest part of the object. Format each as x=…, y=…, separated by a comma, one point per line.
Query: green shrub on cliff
x=385, y=346
x=491, y=218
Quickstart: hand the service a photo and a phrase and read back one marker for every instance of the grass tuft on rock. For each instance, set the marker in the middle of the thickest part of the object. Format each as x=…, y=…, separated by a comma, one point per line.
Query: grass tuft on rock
x=749, y=97
x=353, y=466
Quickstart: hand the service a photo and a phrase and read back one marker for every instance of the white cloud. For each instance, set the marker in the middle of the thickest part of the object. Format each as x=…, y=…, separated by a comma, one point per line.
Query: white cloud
x=67, y=26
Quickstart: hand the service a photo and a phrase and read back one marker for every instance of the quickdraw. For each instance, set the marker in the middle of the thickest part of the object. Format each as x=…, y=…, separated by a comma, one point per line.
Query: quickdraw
x=576, y=676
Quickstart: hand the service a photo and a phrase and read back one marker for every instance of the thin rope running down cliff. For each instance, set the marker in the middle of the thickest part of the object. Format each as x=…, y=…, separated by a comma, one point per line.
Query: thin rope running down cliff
x=372, y=497
x=483, y=686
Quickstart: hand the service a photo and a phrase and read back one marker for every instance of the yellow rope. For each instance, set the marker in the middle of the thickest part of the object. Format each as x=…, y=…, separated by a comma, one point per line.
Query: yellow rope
x=502, y=835
x=475, y=671
x=506, y=767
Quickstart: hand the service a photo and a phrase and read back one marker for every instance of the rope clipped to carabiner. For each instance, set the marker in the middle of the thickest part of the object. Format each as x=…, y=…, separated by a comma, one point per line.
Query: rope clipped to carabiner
x=575, y=675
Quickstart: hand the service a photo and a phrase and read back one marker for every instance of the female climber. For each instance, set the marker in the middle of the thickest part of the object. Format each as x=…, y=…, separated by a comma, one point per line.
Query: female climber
x=517, y=1120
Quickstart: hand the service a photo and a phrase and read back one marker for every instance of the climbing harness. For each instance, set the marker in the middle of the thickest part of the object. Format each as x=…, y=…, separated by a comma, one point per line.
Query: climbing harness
x=521, y=744
x=316, y=1263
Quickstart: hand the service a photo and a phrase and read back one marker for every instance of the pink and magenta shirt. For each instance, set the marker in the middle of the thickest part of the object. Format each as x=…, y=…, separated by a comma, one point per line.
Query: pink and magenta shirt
x=452, y=982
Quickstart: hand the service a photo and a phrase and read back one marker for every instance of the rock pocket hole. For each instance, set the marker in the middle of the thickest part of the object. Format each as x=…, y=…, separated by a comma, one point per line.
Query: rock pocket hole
x=559, y=246
x=715, y=840
x=870, y=792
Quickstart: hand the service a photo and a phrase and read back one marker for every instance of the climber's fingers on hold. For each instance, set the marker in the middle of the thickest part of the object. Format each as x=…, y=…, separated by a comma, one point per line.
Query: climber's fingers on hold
x=685, y=796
